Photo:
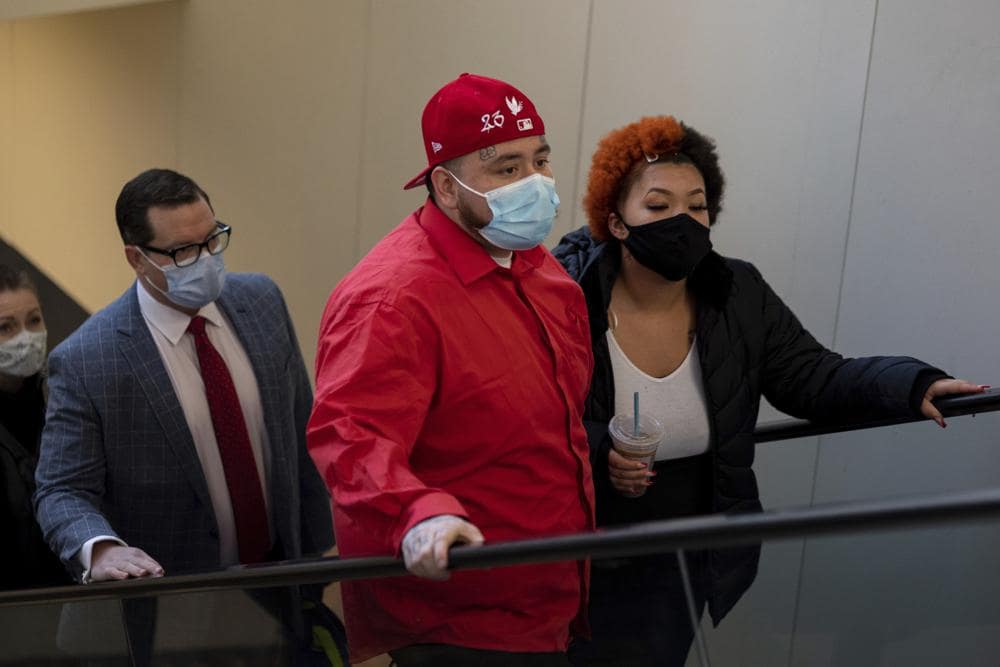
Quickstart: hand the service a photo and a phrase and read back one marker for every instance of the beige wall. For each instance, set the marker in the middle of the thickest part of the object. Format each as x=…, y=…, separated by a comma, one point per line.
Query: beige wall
x=17, y=9
x=89, y=99
x=6, y=122
x=270, y=125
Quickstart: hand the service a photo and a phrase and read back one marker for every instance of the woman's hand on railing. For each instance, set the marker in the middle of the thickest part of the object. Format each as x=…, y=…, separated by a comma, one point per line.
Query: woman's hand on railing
x=947, y=388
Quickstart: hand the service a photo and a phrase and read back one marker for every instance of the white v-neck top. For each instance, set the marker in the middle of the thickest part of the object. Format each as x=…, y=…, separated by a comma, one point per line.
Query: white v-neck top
x=677, y=400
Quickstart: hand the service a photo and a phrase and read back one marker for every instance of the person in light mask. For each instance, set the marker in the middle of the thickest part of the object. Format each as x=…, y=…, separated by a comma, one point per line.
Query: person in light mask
x=452, y=366
x=175, y=434
x=701, y=338
x=25, y=559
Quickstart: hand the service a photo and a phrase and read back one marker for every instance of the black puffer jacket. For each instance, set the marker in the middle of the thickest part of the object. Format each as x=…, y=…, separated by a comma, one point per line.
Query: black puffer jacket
x=25, y=559
x=749, y=344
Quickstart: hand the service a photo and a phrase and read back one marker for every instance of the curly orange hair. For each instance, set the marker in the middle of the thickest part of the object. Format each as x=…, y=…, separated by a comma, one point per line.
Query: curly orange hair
x=650, y=139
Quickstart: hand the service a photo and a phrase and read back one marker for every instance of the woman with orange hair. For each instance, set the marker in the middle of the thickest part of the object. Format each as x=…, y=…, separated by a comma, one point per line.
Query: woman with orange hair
x=700, y=338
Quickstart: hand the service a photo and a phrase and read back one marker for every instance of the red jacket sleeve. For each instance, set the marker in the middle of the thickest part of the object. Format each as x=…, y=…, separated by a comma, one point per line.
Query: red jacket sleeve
x=376, y=372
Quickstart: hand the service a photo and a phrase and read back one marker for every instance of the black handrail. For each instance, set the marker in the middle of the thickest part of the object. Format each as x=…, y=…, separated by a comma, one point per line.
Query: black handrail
x=951, y=406
x=638, y=539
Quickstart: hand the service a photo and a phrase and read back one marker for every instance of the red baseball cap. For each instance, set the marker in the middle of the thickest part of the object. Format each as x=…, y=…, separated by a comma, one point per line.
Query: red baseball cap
x=470, y=113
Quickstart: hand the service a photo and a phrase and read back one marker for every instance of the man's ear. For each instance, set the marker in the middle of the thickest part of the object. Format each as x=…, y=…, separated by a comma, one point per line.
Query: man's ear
x=445, y=188
x=134, y=259
x=617, y=227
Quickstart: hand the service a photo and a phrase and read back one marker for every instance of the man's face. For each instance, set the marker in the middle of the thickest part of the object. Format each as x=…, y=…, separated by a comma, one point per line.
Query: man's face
x=172, y=227
x=495, y=166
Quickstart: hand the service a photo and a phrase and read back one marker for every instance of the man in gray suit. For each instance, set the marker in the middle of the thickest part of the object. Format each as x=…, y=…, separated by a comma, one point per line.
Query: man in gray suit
x=175, y=433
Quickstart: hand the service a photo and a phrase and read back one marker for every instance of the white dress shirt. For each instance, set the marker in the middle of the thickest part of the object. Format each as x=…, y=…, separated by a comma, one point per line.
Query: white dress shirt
x=168, y=328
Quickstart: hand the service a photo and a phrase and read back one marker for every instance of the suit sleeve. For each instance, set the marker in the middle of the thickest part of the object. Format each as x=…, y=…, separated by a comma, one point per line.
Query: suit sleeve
x=804, y=379
x=71, y=464
x=375, y=380
x=314, y=499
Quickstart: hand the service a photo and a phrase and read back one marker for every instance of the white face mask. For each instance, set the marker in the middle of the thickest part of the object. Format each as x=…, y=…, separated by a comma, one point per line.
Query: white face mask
x=23, y=355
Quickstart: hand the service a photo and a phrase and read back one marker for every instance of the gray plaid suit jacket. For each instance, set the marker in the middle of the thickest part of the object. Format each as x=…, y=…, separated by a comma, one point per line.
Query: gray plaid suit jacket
x=117, y=457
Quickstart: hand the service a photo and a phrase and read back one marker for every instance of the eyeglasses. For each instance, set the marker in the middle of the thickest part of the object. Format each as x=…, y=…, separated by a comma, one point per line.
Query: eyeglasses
x=186, y=255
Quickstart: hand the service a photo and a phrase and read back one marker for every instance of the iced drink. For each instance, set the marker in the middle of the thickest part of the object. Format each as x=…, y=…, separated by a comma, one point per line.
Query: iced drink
x=636, y=445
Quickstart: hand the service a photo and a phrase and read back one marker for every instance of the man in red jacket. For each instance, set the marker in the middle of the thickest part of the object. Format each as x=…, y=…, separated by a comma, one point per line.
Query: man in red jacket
x=452, y=367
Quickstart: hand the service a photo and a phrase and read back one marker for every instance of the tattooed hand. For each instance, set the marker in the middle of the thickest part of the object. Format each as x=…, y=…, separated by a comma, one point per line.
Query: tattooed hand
x=425, y=546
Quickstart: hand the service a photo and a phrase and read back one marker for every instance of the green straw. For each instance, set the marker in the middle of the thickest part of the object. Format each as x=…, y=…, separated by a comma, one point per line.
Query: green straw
x=635, y=409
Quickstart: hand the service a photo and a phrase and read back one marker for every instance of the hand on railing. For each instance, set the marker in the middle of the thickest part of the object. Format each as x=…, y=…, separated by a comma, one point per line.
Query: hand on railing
x=425, y=546
x=983, y=399
x=113, y=561
x=947, y=388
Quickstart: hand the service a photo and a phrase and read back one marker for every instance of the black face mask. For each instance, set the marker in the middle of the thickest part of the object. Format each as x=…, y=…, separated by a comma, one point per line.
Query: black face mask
x=672, y=247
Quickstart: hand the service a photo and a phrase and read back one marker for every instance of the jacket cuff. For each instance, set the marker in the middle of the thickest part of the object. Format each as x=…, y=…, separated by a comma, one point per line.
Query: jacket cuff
x=925, y=378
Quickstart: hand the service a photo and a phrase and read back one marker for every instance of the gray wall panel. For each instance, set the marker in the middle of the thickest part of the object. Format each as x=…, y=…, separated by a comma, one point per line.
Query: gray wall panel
x=919, y=279
x=920, y=268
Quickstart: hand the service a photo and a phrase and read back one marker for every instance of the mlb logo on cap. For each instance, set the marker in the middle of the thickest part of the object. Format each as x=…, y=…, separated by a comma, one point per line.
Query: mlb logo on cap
x=470, y=113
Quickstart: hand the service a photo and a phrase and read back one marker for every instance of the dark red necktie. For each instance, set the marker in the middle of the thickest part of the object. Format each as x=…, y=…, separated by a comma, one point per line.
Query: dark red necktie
x=245, y=491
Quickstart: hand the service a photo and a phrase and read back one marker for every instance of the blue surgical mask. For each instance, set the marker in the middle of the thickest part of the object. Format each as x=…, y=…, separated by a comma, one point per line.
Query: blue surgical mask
x=523, y=212
x=194, y=286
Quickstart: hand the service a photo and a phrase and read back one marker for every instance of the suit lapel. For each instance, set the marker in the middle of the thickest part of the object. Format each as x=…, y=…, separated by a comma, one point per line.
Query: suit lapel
x=140, y=351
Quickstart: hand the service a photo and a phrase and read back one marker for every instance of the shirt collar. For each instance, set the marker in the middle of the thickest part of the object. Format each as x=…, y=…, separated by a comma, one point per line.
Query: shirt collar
x=468, y=259
x=171, y=322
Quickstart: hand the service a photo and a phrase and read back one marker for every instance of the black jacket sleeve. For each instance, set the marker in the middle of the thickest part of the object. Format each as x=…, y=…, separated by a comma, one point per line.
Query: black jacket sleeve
x=600, y=444
x=804, y=379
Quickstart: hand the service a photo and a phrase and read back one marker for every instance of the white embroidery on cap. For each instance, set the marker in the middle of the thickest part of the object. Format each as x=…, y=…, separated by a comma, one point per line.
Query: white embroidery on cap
x=514, y=105
x=436, y=147
x=524, y=124
x=492, y=121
